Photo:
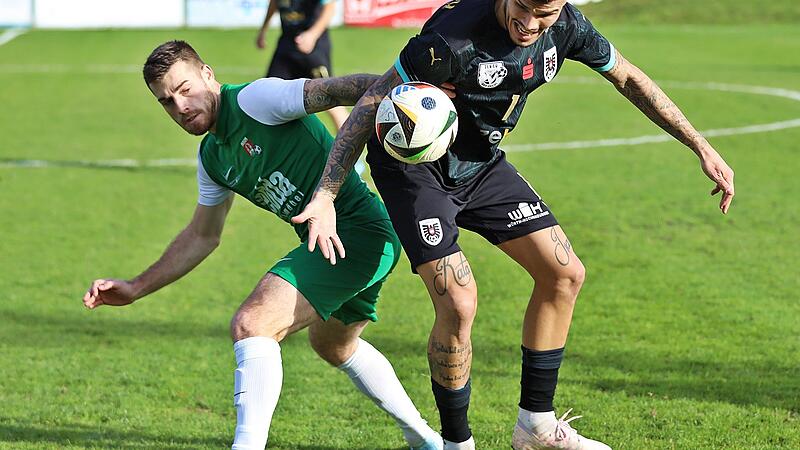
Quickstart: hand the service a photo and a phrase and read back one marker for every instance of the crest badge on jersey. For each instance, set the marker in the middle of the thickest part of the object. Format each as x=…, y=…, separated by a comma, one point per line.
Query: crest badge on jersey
x=491, y=74
x=250, y=147
x=550, y=64
x=431, y=231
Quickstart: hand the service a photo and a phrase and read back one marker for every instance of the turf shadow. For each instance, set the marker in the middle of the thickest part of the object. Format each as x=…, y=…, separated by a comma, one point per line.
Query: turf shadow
x=635, y=373
x=54, y=436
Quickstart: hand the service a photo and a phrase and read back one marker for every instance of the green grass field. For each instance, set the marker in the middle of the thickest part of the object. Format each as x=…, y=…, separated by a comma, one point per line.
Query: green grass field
x=686, y=334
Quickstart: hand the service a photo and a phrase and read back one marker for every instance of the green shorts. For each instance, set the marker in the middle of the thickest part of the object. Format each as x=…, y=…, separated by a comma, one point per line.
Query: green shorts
x=349, y=289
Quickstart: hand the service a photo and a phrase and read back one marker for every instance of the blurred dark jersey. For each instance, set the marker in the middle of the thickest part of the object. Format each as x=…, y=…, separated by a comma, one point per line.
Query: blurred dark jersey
x=298, y=16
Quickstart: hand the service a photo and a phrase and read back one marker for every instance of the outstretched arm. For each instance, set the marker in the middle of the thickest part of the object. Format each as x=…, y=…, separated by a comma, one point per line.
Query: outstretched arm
x=645, y=94
x=320, y=94
x=347, y=147
x=354, y=134
x=187, y=250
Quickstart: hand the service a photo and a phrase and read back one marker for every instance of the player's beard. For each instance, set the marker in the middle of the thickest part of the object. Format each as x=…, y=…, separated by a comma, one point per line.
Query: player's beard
x=206, y=118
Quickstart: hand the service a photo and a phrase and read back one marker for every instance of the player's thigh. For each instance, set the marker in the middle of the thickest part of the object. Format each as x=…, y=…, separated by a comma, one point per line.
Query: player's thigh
x=451, y=285
x=275, y=308
x=547, y=255
x=372, y=252
x=504, y=205
x=422, y=212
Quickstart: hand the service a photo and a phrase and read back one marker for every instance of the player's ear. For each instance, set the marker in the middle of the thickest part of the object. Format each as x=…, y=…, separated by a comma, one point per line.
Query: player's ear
x=207, y=73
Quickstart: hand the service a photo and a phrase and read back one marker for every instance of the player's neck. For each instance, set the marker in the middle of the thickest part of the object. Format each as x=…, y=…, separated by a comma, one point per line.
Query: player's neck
x=216, y=90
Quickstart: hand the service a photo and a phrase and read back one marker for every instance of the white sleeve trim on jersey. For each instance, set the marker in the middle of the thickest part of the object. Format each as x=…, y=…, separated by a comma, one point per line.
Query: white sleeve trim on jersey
x=209, y=192
x=273, y=101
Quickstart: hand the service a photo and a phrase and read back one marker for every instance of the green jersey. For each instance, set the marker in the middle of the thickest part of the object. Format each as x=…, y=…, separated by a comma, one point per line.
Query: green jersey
x=269, y=151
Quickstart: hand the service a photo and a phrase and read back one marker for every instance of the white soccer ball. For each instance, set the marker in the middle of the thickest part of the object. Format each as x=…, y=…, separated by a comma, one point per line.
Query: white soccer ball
x=416, y=122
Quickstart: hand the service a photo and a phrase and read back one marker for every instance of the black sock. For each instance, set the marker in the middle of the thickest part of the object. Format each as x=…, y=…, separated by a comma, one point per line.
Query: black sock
x=453, y=405
x=539, y=378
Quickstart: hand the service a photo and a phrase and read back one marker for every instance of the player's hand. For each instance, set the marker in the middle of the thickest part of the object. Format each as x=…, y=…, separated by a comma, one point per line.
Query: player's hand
x=109, y=292
x=720, y=173
x=306, y=41
x=260, y=40
x=449, y=89
x=321, y=217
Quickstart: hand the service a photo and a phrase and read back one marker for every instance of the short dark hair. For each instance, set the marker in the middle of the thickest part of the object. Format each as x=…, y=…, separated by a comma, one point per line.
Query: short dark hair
x=165, y=56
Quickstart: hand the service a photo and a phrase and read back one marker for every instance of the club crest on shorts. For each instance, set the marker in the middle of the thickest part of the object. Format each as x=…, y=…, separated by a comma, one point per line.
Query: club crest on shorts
x=550, y=64
x=431, y=231
x=491, y=74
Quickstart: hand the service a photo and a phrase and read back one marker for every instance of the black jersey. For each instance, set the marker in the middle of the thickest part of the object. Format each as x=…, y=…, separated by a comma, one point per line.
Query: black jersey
x=298, y=16
x=463, y=43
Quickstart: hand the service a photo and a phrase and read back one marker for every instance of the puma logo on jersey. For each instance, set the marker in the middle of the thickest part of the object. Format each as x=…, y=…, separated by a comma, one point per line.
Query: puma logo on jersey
x=452, y=4
x=433, y=57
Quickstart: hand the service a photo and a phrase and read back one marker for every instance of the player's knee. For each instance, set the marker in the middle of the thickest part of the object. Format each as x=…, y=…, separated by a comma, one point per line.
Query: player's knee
x=334, y=353
x=570, y=280
x=458, y=309
x=246, y=324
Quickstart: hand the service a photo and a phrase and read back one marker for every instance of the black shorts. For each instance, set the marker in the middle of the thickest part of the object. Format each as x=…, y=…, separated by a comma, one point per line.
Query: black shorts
x=290, y=63
x=498, y=204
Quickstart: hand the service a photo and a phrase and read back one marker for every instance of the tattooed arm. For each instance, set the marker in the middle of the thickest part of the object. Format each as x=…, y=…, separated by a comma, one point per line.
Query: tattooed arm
x=354, y=134
x=320, y=94
x=643, y=92
x=320, y=212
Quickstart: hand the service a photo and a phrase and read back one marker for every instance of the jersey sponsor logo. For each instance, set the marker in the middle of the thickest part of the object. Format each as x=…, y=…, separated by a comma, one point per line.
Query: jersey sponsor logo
x=293, y=16
x=250, y=147
x=452, y=4
x=527, y=70
x=278, y=195
x=433, y=57
x=320, y=72
x=491, y=74
x=431, y=231
x=526, y=212
x=550, y=64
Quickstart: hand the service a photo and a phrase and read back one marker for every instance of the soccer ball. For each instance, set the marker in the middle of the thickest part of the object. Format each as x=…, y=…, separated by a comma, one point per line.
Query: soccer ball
x=416, y=122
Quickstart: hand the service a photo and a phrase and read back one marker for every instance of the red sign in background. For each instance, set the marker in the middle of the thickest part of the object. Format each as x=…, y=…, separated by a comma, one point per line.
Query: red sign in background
x=389, y=13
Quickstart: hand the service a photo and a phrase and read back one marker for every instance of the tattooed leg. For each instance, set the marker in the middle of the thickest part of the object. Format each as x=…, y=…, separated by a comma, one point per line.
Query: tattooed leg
x=549, y=258
x=454, y=294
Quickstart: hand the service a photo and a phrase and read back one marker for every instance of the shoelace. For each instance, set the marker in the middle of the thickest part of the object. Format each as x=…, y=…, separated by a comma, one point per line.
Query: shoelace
x=563, y=428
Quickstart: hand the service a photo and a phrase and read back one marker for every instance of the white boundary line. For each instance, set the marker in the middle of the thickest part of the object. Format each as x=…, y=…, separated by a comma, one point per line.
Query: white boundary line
x=10, y=34
x=638, y=140
x=663, y=137
x=102, y=69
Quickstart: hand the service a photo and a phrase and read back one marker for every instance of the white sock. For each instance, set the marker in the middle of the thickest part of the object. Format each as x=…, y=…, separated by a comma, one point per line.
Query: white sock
x=469, y=444
x=257, y=386
x=536, y=421
x=373, y=375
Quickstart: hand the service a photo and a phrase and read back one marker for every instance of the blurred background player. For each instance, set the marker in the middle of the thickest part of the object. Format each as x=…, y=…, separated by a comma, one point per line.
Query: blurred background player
x=244, y=151
x=304, y=48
